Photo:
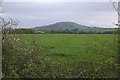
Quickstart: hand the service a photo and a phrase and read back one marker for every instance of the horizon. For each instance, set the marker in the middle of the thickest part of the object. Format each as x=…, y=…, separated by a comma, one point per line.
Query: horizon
x=32, y=14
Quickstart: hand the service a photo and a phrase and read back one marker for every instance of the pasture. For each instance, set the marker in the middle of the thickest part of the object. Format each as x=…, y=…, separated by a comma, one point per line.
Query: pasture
x=73, y=55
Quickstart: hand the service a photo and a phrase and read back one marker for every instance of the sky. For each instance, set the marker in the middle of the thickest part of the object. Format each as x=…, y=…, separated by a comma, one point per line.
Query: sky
x=59, y=0
x=32, y=14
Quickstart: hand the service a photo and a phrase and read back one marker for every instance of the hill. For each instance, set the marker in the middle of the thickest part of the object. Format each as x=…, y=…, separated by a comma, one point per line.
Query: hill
x=62, y=26
x=73, y=27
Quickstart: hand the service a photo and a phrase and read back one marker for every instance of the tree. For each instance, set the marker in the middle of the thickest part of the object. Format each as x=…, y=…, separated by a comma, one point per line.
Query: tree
x=117, y=24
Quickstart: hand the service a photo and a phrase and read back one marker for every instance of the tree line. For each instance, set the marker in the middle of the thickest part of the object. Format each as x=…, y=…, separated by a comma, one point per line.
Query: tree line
x=66, y=31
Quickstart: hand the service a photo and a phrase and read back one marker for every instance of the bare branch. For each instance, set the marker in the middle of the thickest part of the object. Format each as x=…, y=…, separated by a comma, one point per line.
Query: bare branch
x=78, y=74
x=113, y=3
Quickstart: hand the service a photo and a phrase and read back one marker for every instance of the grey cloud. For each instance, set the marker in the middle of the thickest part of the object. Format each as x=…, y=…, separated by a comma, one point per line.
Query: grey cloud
x=33, y=14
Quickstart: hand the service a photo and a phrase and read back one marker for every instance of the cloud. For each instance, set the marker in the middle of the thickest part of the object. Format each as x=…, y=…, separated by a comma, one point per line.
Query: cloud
x=92, y=22
x=31, y=14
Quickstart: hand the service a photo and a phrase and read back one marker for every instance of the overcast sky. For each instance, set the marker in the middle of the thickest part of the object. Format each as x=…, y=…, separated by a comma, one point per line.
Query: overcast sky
x=59, y=0
x=32, y=14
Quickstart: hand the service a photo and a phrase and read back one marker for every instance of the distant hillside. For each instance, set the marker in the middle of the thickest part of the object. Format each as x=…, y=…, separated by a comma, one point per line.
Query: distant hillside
x=70, y=26
x=62, y=26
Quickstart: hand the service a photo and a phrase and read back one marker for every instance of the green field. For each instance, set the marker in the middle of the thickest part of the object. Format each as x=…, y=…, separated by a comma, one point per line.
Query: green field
x=74, y=55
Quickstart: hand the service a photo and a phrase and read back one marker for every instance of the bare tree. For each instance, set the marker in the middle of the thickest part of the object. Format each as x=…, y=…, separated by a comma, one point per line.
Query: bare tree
x=0, y=39
x=5, y=27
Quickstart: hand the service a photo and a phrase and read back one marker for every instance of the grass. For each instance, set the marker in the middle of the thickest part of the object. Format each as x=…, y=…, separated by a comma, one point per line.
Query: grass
x=94, y=53
x=73, y=46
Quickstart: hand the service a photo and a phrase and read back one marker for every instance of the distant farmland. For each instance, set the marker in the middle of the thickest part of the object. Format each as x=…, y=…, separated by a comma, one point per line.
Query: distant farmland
x=74, y=55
